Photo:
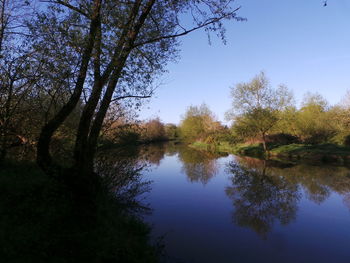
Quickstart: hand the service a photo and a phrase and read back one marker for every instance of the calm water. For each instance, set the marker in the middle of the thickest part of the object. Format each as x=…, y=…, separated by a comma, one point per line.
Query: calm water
x=214, y=208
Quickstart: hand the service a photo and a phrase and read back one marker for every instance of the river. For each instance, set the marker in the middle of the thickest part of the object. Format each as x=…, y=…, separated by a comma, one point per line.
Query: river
x=210, y=207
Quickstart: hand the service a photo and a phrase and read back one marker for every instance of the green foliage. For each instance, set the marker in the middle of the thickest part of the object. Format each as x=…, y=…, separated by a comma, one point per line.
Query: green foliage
x=259, y=112
x=256, y=106
x=199, y=123
x=314, y=123
x=315, y=153
x=251, y=150
x=258, y=94
x=255, y=122
x=171, y=131
x=322, y=148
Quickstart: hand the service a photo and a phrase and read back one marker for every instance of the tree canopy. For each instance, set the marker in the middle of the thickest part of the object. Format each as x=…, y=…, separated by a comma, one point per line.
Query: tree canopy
x=78, y=55
x=256, y=106
x=198, y=123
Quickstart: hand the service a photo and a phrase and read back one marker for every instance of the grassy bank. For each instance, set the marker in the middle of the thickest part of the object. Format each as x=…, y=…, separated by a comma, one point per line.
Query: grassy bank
x=323, y=152
x=314, y=153
x=238, y=149
x=222, y=147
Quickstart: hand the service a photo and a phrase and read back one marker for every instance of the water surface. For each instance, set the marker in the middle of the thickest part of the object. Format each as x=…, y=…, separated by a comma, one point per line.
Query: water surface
x=212, y=207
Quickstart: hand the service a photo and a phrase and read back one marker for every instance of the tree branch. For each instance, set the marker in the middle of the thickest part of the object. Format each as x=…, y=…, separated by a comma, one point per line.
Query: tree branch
x=131, y=96
x=204, y=24
x=64, y=3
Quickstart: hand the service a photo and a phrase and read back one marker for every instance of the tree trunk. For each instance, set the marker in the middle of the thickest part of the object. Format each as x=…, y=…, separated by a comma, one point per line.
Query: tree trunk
x=3, y=153
x=44, y=159
x=85, y=150
x=86, y=147
x=265, y=145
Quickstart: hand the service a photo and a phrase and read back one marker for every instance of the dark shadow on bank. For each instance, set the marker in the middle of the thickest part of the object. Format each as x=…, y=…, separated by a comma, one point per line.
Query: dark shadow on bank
x=42, y=221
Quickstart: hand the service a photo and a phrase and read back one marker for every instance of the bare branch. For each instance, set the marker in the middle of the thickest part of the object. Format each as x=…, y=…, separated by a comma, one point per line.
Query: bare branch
x=204, y=24
x=64, y=3
x=131, y=96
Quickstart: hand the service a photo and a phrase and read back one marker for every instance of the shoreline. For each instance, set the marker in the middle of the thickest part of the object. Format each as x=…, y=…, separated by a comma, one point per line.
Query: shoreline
x=323, y=153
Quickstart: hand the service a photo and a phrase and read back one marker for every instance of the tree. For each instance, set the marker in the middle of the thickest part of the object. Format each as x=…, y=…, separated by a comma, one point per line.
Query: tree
x=18, y=73
x=257, y=121
x=119, y=126
x=110, y=51
x=171, y=131
x=198, y=123
x=153, y=130
x=256, y=106
x=314, y=123
x=340, y=115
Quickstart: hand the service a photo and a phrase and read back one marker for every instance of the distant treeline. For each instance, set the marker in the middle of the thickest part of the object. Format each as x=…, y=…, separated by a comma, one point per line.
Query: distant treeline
x=259, y=114
x=124, y=132
x=266, y=115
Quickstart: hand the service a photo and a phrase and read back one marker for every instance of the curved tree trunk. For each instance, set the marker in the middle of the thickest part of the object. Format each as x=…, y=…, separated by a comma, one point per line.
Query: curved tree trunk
x=85, y=152
x=44, y=159
x=83, y=155
x=266, y=150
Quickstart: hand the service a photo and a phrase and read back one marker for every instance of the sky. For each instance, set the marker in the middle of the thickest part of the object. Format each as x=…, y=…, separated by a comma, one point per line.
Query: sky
x=299, y=43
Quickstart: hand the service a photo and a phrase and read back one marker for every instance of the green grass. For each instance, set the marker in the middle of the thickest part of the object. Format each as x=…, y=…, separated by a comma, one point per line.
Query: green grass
x=249, y=149
x=200, y=145
x=222, y=147
x=322, y=148
x=240, y=149
x=323, y=152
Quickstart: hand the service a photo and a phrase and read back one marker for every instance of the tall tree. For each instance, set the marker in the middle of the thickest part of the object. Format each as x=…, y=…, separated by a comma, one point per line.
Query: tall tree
x=18, y=73
x=198, y=122
x=314, y=122
x=111, y=50
x=256, y=106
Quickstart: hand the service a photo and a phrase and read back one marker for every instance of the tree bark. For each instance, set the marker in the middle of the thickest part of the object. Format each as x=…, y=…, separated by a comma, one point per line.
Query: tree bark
x=81, y=145
x=265, y=145
x=85, y=155
x=44, y=159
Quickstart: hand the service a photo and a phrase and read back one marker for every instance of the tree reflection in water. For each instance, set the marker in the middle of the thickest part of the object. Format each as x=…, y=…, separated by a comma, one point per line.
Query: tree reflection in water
x=318, y=182
x=199, y=166
x=121, y=171
x=260, y=199
x=264, y=192
x=153, y=153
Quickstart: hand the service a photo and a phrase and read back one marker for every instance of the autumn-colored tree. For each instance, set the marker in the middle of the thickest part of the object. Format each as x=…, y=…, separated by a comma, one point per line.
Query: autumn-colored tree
x=153, y=130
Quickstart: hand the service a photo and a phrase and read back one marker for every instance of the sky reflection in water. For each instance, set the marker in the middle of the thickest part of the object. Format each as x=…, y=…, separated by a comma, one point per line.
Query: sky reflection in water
x=214, y=208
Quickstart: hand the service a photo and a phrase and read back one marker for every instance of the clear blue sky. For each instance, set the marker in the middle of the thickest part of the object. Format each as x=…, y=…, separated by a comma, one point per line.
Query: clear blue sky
x=298, y=43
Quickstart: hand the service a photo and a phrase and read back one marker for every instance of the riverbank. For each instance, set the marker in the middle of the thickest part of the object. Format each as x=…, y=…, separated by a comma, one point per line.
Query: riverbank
x=329, y=153
x=42, y=222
